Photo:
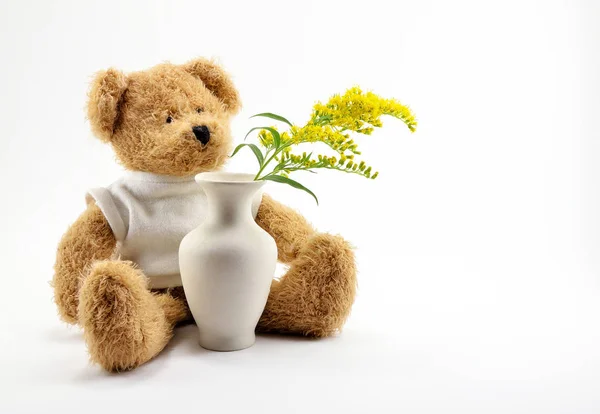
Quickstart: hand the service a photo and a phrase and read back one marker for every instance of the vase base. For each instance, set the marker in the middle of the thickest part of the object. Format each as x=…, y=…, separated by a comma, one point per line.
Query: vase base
x=226, y=344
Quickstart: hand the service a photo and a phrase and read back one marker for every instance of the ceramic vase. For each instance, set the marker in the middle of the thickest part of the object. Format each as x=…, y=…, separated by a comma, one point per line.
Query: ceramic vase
x=227, y=263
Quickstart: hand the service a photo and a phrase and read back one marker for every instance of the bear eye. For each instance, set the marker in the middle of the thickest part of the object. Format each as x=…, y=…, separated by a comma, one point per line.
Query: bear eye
x=169, y=119
x=199, y=110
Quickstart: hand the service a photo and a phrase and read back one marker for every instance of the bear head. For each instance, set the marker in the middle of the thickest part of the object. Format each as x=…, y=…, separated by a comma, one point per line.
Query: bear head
x=170, y=119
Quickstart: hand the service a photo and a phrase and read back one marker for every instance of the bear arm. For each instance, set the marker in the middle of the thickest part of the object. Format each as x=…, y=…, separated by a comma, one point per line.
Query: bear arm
x=289, y=229
x=88, y=239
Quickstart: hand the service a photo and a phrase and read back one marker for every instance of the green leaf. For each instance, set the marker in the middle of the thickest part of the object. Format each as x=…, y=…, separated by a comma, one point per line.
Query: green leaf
x=278, y=167
x=289, y=181
x=239, y=147
x=259, y=156
x=252, y=129
x=258, y=153
x=273, y=131
x=276, y=137
x=273, y=116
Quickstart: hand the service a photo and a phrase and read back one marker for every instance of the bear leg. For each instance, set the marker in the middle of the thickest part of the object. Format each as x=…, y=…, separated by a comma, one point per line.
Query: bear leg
x=315, y=296
x=124, y=324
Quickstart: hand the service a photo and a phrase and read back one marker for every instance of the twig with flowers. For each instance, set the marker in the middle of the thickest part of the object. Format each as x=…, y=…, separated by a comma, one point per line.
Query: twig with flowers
x=331, y=124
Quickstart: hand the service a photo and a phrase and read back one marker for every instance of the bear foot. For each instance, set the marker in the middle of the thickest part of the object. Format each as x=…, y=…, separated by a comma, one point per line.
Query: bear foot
x=124, y=324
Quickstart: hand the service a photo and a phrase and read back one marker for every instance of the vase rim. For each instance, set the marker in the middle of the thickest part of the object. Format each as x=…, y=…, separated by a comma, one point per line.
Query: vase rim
x=225, y=178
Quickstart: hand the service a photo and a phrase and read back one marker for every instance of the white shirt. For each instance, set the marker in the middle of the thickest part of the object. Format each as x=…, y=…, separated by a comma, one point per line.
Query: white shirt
x=149, y=215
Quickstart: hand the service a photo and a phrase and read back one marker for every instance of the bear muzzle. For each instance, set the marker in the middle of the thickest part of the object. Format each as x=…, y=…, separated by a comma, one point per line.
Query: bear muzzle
x=202, y=133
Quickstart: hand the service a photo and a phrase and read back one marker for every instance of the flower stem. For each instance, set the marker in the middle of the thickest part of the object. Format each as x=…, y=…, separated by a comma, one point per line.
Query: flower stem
x=268, y=160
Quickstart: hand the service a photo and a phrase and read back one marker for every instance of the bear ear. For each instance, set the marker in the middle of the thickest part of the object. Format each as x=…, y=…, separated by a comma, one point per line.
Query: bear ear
x=217, y=81
x=105, y=96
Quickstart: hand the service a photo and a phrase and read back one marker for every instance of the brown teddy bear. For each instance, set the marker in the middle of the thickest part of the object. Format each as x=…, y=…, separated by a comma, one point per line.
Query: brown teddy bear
x=167, y=124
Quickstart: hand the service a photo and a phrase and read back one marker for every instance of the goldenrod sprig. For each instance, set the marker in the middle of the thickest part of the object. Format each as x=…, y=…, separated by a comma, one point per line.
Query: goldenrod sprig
x=330, y=124
x=360, y=111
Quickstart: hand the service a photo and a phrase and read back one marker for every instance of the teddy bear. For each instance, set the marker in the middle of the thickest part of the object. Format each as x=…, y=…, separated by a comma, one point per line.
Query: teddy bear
x=116, y=272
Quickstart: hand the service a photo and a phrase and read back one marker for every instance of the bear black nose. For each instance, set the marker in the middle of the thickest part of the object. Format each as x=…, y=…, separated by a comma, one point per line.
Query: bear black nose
x=202, y=133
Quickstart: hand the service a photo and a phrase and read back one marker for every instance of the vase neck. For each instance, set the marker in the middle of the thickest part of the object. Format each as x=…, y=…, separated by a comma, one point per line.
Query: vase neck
x=230, y=203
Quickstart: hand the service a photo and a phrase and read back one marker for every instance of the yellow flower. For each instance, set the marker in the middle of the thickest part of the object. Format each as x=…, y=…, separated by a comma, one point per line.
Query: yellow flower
x=360, y=111
x=332, y=124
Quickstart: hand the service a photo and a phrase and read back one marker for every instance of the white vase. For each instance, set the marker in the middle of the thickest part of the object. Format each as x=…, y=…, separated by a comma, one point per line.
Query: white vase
x=227, y=263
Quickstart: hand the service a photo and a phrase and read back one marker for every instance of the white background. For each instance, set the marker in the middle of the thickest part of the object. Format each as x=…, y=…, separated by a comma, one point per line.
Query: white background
x=478, y=245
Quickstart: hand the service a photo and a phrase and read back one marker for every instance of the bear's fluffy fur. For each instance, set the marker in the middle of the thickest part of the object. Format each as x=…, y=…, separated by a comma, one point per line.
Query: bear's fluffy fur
x=125, y=323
